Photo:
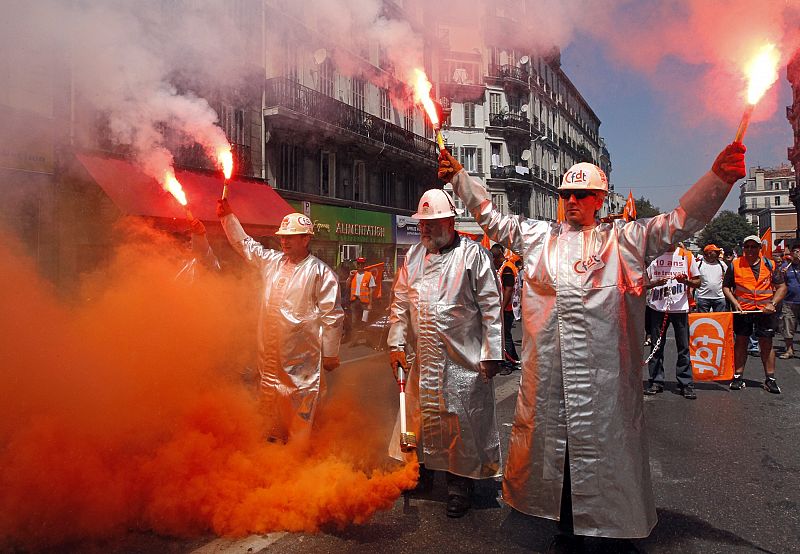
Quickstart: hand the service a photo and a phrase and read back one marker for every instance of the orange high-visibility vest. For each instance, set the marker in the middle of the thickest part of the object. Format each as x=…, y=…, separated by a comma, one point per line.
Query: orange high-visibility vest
x=752, y=293
x=500, y=275
x=364, y=296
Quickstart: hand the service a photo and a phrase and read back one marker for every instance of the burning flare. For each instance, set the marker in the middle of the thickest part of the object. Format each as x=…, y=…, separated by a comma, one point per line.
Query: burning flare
x=422, y=94
x=762, y=72
x=225, y=160
x=173, y=186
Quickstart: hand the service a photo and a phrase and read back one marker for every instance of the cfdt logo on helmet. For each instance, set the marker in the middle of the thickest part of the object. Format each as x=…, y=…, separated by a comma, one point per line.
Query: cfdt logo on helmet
x=573, y=177
x=304, y=221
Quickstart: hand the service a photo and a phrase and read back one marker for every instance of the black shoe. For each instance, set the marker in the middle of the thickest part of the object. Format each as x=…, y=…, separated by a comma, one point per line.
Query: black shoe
x=688, y=392
x=771, y=385
x=654, y=388
x=505, y=368
x=737, y=383
x=566, y=544
x=457, y=505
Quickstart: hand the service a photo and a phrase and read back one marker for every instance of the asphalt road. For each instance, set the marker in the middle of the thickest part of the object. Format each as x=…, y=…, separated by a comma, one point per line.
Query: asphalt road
x=726, y=476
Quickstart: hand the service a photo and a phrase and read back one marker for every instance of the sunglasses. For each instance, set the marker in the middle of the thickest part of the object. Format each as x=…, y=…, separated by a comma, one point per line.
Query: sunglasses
x=578, y=194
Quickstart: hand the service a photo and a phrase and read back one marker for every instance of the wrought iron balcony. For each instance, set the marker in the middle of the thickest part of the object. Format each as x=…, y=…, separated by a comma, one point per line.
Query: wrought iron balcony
x=292, y=96
x=509, y=172
x=509, y=73
x=510, y=121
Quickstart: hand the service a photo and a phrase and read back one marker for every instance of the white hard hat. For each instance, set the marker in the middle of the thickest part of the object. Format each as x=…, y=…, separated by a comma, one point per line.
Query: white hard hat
x=585, y=176
x=435, y=204
x=296, y=224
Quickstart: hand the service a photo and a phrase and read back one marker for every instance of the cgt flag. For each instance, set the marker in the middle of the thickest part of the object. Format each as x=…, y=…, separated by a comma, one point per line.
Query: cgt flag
x=629, y=213
x=766, y=244
x=377, y=272
x=711, y=346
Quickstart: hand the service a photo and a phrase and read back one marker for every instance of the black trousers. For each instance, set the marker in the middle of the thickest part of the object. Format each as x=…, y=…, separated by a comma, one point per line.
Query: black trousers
x=508, y=340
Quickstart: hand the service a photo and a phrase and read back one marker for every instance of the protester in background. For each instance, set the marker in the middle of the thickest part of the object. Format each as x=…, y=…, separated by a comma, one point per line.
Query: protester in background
x=669, y=278
x=446, y=312
x=754, y=284
x=362, y=287
x=791, y=303
x=507, y=272
x=728, y=256
x=578, y=437
x=711, y=270
x=299, y=324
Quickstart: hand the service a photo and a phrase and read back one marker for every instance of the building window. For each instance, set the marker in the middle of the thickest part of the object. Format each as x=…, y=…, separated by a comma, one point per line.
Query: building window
x=499, y=201
x=290, y=61
x=327, y=173
x=494, y=103
x=387, y=187
x=777, y=201
x=408, y=119
x=289, y=167
x=359, y=182
x=327, y=79
x=472, y=159
x=386, y=104
x=357, y=92
x=469, y=114
x=755, y=202
x=496, y=160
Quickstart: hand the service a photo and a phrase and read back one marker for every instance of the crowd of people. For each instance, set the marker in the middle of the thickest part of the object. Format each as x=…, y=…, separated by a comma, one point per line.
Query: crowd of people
x=578, y=450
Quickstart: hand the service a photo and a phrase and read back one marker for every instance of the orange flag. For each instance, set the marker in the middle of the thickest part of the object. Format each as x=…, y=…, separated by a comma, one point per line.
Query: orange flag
x=562, y=214
x=629, y=213
x=711, y=346
x=377, y=272
x=766, y=244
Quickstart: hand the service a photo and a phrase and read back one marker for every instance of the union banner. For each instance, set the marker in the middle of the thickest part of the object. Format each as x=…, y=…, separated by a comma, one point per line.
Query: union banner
x=711, y=346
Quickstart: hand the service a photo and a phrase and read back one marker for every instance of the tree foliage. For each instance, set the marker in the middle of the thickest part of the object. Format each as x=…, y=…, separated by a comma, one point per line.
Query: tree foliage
x=644, y=208
x=726, y=230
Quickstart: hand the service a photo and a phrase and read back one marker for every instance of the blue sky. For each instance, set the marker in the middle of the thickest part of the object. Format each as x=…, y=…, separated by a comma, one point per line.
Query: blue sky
x=656, y=150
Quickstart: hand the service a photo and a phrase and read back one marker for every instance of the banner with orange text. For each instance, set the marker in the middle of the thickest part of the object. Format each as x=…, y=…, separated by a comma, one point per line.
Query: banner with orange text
x=711, y=346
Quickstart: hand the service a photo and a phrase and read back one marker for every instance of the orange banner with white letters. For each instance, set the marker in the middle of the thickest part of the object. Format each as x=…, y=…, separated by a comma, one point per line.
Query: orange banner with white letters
x=711, y=346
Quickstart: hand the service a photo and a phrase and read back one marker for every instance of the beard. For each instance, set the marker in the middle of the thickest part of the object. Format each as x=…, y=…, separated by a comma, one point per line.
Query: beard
x=436, y=241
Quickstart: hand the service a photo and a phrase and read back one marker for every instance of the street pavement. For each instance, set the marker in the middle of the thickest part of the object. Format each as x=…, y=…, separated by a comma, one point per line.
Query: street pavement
x=725, y=467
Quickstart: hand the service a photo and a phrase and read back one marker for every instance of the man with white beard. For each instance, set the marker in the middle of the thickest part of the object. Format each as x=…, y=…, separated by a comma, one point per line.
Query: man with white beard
x=446, y=314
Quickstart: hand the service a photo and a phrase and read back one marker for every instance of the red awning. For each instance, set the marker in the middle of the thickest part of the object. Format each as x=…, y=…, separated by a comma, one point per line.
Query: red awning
x=135, y=193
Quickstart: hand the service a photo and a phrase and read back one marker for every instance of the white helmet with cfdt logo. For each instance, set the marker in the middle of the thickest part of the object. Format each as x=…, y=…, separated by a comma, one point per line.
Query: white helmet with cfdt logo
x=296, y=224
x=435, y=204
x=585, y=176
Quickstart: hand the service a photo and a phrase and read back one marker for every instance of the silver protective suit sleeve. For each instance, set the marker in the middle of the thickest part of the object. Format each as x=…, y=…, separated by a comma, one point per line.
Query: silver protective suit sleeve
x=300, y=321
x=581, y=384
x=446, y=311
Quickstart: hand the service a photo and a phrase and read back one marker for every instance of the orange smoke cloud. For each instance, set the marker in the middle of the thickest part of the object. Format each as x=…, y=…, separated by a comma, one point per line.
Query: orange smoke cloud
x=124, y=408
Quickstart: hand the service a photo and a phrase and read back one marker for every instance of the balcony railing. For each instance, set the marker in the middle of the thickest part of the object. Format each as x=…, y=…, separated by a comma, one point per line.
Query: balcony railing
x=509, y=72
x=511, y=120
x=293, y=96
x=510, y=172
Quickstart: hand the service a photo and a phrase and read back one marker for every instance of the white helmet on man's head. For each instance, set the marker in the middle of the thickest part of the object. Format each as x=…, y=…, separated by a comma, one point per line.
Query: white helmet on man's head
x=584, y=176
x=296, y=224
x=435, y=204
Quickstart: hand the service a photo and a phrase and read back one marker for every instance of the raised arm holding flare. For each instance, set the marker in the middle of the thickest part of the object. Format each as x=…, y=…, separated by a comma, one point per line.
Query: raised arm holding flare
x=299, y=325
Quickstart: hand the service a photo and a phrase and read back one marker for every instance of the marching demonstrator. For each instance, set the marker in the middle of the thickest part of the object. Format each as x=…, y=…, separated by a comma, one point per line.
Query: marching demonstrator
x=446, y=312
x=299, y=325
x=578, y=452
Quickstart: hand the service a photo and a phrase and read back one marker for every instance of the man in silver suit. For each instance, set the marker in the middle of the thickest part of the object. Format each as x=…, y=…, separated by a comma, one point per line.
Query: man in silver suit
x=578, y=450
x=299, y=324
x=446, y=315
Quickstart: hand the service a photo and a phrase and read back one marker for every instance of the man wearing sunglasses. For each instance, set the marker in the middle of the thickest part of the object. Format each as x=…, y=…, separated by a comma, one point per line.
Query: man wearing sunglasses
x=578, y=449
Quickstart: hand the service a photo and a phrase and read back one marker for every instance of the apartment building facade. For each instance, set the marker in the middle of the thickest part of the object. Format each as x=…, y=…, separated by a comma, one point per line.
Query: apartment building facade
x=764, y=199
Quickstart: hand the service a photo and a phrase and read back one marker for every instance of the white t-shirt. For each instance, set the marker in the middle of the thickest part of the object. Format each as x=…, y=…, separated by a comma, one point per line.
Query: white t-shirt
x=711, y=279
x=671, y=297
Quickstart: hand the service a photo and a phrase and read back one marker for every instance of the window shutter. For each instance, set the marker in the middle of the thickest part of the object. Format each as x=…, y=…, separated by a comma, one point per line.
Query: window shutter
x=460, y=155
x=480, y=160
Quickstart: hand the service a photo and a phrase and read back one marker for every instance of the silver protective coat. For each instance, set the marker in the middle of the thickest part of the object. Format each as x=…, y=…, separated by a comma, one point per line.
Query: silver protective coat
x=446, y=314
x=300, y=321
x=581, y=384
